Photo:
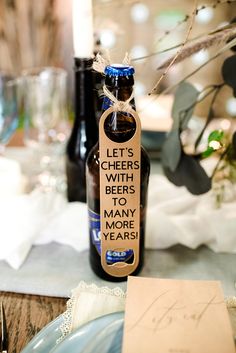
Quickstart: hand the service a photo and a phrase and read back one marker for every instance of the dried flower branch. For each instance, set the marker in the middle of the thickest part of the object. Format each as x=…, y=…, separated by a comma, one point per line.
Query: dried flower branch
x=176, y=46
x=214, y=5
x=215, y=38
x=226, y=47
x=180, y=50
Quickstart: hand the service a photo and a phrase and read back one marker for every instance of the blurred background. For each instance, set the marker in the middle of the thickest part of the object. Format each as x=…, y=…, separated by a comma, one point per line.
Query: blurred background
x=39, y=33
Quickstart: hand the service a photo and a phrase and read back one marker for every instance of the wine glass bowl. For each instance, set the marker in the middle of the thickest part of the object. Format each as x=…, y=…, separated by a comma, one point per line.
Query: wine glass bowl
x=46, y=126
x=8, y=108
x=44, y=104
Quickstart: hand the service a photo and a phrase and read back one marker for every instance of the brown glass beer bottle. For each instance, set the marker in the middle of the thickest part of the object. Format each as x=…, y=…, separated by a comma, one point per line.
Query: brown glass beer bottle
x=84, y=134
x=119, y=127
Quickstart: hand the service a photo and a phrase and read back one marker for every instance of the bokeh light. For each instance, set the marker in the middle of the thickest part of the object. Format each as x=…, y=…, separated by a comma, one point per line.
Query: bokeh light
x=231, y=106
x=138, y=51
x=201, y=57
x=205, y=16
x=139, y=13
x=108, y=38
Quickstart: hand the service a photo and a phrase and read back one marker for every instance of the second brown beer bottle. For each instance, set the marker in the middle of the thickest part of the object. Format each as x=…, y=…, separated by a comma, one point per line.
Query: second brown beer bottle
x=84, y=134
x=119, y=128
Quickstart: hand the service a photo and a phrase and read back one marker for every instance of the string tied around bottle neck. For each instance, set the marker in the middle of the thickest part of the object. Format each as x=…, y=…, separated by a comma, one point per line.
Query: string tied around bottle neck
x=99, y=65
x=118, y=106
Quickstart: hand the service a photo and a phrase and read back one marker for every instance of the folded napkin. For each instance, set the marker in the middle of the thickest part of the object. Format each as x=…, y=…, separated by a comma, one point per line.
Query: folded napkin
x=176, y=216
x=89, y=302
x=40, y=218
x=173, y=216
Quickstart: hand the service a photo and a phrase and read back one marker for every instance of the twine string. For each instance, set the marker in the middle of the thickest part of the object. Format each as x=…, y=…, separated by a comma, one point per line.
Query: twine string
x=118, y=106
x=100, y=63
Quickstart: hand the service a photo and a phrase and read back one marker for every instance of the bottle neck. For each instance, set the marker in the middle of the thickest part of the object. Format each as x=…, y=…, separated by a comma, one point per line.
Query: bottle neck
x=119, y=126
x=84, y=91
x=122, y=93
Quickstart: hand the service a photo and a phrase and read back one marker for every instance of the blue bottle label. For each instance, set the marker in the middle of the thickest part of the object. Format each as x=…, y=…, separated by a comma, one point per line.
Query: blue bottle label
x=95, y=230
x=112, y=256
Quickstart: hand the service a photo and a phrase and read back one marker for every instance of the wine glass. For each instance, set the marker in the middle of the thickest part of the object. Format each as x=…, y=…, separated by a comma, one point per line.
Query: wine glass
x=46, y=125
x=8, y=109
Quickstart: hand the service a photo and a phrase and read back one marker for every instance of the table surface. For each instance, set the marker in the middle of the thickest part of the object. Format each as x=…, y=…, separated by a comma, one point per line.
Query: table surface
x=26, y=315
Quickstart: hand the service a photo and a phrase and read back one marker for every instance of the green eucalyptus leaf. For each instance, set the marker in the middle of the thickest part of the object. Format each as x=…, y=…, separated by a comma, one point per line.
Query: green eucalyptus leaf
x=190, y=173
x=216, y=135
x=208, y=152
x=171, y=150
x=174, y=177
x=229, y=72
x=185, y=97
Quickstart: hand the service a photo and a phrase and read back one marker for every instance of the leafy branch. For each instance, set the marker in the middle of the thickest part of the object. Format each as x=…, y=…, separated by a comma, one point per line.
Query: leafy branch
x=181, y=168
x=210, y=115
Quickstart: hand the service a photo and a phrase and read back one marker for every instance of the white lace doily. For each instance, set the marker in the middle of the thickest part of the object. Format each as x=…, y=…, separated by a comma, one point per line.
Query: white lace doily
x=89, y=302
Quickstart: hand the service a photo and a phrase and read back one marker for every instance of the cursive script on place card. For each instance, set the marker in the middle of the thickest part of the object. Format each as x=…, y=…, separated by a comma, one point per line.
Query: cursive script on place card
x=176, y=316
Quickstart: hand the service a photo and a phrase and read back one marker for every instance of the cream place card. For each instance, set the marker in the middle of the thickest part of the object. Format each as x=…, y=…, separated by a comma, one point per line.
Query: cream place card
x=176, y=316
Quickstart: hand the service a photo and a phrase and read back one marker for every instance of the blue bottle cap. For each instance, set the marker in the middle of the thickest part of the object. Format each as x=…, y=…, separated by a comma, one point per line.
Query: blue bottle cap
x=119, y=70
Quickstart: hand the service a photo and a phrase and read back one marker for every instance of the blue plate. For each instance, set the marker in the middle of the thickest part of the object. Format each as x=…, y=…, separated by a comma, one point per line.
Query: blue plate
x=46, y=339
x=102, y=335
x=109, y=340
x=105, y=331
